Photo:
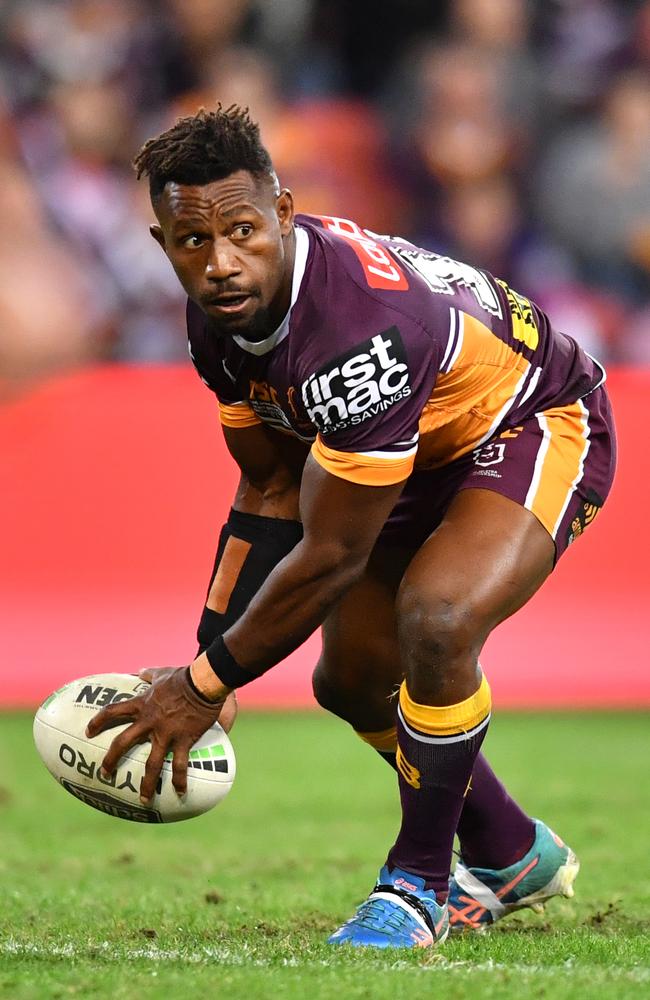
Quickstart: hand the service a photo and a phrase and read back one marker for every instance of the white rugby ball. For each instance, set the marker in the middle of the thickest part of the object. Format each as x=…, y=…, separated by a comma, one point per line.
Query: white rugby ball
x=74, y=760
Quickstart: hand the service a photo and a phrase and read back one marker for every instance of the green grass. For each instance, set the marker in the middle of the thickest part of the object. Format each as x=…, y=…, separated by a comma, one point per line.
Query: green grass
x=238, y=903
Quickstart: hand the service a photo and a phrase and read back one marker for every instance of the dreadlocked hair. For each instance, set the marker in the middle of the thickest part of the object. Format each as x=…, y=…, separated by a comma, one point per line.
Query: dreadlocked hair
x=204, y=147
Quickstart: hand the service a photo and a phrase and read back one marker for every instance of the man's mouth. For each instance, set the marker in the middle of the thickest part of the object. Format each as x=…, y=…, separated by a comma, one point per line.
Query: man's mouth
x=228, y=303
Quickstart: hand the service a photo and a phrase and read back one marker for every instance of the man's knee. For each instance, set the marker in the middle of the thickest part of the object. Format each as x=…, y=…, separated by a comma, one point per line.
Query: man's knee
x=440, y=634
x=327, y=691
x=354, y=695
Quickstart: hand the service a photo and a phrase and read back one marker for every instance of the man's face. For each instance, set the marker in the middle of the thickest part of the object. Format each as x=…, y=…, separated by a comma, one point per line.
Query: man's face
x=231, y=245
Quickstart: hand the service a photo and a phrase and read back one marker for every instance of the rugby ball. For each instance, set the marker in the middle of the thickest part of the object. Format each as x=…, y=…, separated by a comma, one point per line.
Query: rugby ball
x=74, y=759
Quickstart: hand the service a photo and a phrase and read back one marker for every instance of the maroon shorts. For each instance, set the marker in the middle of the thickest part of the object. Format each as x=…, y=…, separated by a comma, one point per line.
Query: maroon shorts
x=559, y=464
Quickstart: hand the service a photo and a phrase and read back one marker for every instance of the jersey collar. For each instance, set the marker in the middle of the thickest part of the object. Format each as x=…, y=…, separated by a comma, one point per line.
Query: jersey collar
x=300, y=263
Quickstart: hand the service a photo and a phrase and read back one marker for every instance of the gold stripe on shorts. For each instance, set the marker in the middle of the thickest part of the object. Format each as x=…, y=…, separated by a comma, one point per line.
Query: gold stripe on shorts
x=559, y=465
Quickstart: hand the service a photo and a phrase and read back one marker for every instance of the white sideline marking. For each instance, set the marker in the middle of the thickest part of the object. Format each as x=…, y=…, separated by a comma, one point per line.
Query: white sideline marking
x=206, y=955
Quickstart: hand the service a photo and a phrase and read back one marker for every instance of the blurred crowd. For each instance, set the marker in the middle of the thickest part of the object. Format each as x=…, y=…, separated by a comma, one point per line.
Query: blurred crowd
x=514, y=135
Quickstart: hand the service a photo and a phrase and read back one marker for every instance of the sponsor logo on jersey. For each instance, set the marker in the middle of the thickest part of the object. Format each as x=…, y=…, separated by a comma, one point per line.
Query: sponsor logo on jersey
x=524, y=327
x=271, y=413
x=358, y=385
x=263, y=392
x=265, y=402
x=380, y=268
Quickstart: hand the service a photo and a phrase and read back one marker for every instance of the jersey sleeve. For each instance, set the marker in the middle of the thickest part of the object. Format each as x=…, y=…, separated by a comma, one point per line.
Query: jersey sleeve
x=380, y=468
x=366, y=404
x=237, y=414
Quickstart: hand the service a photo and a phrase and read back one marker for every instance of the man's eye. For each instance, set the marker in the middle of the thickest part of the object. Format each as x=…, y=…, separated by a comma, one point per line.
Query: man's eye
x=243, y=230
x=193, y=241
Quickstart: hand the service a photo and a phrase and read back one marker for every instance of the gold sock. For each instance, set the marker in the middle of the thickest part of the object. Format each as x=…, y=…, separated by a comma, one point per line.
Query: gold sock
x=385, y=741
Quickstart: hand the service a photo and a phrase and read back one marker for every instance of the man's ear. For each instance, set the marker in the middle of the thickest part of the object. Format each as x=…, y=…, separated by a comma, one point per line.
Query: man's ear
x=158, y=236
x=285, y=210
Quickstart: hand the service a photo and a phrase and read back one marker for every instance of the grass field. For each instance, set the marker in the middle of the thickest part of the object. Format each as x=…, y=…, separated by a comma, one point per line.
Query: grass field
x=238, y=903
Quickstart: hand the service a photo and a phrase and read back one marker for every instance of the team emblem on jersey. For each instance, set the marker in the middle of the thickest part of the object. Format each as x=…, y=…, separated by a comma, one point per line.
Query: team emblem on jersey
x=489, y=454
x=359, y=384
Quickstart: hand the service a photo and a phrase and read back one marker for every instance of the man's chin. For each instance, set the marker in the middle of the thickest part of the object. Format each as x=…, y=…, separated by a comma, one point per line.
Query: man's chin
x=250, y=326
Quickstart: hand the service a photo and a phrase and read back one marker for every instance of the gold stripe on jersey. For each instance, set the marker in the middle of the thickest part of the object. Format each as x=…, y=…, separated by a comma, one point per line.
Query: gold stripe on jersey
x=447, y=720
x=237, y=415
x=559, y=466
x=469, y=401
x=367, y=470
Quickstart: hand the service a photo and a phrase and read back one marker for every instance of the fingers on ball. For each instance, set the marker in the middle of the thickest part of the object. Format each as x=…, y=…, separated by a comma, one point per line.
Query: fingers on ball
x=152, y=770
x=179, y=769
x=121, y=744
x=112, y=715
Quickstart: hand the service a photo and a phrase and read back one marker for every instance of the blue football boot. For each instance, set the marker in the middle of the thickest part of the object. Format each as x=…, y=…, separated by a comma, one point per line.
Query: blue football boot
x=398, y=913
x=479, y=897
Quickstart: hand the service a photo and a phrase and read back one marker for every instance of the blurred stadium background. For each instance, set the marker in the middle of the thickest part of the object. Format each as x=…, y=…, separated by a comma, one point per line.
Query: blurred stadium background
x=514, y=135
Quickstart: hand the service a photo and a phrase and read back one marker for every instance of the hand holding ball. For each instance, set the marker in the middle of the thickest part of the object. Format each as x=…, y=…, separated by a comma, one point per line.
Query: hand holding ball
x=75, y=758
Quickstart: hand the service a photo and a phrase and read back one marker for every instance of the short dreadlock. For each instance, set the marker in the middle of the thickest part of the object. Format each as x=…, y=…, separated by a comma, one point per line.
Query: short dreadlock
x=204, y=147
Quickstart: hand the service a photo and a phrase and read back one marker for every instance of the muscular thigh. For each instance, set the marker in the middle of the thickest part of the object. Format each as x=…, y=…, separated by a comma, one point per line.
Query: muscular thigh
x=479, y=537
x=485, y=560
x=360, y=665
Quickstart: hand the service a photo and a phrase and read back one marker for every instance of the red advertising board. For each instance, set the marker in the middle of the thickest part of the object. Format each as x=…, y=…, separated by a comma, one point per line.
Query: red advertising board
x=114, y=483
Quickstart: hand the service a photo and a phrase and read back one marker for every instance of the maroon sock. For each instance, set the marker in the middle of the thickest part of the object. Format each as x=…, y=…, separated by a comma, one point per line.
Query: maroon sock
x=493, y=831
x=437, y=748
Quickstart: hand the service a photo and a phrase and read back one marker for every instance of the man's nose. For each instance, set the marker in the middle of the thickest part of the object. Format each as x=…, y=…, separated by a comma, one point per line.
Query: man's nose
x=222, y=262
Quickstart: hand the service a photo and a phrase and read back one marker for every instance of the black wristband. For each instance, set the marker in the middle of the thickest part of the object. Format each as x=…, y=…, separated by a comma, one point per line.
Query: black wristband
x=225, y=666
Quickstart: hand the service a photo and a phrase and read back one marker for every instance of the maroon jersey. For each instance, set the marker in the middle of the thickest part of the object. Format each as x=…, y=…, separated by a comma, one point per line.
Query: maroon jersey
x=391, y=357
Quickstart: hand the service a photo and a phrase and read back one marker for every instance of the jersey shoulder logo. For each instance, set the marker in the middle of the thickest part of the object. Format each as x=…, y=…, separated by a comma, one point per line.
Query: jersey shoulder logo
x=444, y=275
x=380, y=268
x=357, y=385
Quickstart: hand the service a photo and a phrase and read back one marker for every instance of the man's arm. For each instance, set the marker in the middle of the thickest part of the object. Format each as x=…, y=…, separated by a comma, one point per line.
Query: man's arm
x=262, y=526
x=341, y=521
x=261, y=529
x=270, y=465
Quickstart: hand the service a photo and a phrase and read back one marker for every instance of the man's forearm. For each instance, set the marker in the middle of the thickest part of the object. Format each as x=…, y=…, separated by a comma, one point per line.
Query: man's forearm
x=293, y=602
x=250, y=547
x=264, y=526
x=342, y=521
